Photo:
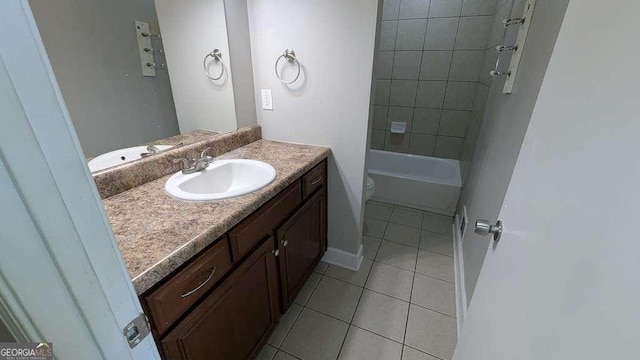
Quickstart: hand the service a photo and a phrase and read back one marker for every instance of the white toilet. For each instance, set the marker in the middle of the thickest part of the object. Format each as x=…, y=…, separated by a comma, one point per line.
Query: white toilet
x=371, y=187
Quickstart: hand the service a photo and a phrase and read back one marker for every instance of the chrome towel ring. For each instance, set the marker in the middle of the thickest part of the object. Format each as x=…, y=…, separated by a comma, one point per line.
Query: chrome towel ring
x=290, y=56
x=216, y=54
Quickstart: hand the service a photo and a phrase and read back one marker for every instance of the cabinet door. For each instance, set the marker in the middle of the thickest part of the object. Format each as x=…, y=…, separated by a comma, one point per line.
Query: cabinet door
x=235, y=320
x=301, y=241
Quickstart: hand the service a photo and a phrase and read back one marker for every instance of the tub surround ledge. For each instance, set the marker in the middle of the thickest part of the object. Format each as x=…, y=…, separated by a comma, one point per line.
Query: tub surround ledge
x=157, y=233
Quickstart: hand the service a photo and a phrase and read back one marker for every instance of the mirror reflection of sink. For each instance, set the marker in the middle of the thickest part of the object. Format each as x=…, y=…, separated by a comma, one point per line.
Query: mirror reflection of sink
x=222, y=179
x=121, y=156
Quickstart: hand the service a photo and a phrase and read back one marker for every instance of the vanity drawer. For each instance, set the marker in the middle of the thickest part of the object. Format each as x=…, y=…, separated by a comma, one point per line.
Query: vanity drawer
x=314, y=179
x=172, y=299
x=262, y=223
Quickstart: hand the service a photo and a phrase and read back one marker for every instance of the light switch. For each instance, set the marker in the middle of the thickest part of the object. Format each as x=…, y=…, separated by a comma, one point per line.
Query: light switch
x=267, y=99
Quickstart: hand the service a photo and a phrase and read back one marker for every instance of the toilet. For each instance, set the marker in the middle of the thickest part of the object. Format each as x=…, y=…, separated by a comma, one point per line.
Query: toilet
x=371, y=187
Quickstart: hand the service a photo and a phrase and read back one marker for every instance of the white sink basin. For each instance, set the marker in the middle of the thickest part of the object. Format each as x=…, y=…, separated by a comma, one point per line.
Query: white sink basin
x=120, y=156
x=222, y=179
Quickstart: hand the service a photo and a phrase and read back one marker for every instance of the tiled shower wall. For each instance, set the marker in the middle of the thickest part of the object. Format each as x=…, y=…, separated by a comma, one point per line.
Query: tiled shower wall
x=429, y=62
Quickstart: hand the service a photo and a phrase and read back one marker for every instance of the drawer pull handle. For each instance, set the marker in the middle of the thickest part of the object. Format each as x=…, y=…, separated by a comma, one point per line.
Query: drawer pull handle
x=184, y=295
x=317, y=180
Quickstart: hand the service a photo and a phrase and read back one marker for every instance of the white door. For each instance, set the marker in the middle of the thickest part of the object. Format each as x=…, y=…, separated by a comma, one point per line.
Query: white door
x=62, y=279
x=562, y=283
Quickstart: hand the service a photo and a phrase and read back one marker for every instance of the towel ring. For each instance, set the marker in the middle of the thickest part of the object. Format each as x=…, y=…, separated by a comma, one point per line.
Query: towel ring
x=290, y=56
x=216, y=54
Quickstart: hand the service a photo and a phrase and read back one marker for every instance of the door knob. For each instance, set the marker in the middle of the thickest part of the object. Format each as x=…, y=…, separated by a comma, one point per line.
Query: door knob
x=483, y=227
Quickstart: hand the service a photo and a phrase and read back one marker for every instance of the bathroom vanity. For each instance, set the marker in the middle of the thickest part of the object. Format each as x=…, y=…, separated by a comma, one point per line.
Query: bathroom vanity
x=213, y=277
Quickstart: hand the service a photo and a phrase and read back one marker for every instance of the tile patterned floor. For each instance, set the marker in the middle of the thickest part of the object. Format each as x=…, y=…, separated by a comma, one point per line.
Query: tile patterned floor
x=399, y=306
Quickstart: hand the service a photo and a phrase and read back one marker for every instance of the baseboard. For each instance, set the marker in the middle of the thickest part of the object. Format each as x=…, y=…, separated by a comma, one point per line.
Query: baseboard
x=458, y=265
x=343, y=259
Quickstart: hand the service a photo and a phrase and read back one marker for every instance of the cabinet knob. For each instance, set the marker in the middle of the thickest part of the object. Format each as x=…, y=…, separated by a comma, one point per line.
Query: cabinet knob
x=276, y=252
x=284, y=242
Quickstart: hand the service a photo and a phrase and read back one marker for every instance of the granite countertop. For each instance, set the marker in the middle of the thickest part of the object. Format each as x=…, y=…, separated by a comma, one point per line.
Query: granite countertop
x=157, y=233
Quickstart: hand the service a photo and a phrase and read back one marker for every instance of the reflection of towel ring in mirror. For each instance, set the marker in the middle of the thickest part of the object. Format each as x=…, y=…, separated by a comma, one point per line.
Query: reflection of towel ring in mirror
x=290, y=56
x=216, y=54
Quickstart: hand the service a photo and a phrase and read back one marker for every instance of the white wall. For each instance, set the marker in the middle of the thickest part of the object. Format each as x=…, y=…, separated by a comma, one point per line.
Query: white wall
x=190, y=30
x=92, y=47
x=334, y=41
x=502, y=132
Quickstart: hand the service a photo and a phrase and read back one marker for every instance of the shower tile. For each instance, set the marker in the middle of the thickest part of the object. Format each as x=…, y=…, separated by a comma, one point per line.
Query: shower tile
x=383, y=87
x=448, y=147
x=488, y=64
x=385, y=65
x=400, y=114
x=396, y=142
x=460, y=95
x=411, y=34
x=390, y=9
x=445, y=8
x=406, y=65
x=403, y=92
x=380, y=117
x=466, y=65
x=435, y=65
x=414, y=9
x=473, y=33
x=454, y=123
x=441, y=34
x=426, y=121
x=421, y=144
x=377, y=139
x=478, y=7
x=431, y=94
x=480, y=102
x=388, y=30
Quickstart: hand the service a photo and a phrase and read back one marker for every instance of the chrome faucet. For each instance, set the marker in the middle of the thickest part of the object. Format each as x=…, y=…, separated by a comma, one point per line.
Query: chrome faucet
x=195, y=165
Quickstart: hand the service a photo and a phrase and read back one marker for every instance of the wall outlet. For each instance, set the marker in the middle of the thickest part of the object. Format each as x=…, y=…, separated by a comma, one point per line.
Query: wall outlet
x=267, y=99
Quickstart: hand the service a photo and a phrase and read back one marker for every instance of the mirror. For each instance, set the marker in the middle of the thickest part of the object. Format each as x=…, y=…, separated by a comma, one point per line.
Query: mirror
x=140, y=77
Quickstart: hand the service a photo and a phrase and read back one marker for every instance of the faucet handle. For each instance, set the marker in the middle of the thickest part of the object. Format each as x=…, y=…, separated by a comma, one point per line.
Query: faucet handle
x=186, y=164
x=204, y=152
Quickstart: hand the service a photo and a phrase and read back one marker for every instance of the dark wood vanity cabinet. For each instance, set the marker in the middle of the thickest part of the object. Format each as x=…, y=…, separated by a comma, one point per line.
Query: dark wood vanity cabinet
x=244, y=280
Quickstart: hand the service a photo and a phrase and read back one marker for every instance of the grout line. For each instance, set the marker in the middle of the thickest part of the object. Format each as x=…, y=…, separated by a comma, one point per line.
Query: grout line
x=423, y=352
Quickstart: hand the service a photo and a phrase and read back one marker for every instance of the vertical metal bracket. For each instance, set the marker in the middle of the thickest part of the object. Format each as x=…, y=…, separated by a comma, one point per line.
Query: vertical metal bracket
x=144, y=42
x=136, y=330
x=522, y=37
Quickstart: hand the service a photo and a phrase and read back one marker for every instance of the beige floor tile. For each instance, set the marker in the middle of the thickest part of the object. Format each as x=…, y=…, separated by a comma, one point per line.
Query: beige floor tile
x=370, y=246
x=437, y=223
x=396, y=254
x=435, y=265
x=281, y=355
x=407, y=217
x=402, y=234
x=315, y=336
x=377, y=210
x=374, y=227
x=286, y=322
x=390, y=280
x=307, y=289
x=321, y=268
x=382, y=315
x=363, y=345
x=439, y=243
x=431, y=332
x=352, y=277
x=267, y=353
x=434, y=294
x=413, y=354
x=336, y=298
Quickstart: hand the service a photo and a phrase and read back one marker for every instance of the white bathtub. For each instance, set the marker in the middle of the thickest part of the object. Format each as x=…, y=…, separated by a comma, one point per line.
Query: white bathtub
x=420, y=182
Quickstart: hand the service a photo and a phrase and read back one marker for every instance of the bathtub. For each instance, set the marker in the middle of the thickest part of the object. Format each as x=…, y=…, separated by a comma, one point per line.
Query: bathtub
x=420, y=182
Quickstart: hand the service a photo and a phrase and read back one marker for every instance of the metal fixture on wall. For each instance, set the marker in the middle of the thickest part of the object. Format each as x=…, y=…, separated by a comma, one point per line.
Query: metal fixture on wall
x=146, y=50
x=290, y=56
x=216, y=55
x=524, y=22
